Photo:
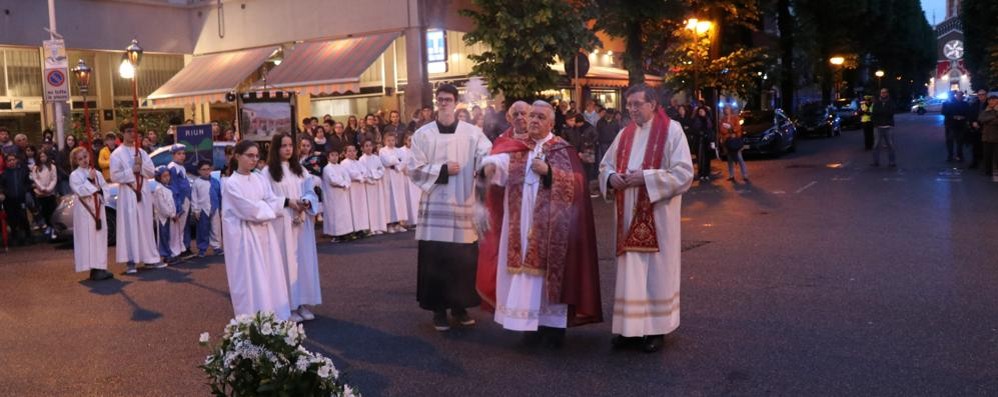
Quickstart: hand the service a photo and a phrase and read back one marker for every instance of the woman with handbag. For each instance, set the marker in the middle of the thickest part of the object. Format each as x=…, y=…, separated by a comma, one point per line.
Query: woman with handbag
x=731, y=137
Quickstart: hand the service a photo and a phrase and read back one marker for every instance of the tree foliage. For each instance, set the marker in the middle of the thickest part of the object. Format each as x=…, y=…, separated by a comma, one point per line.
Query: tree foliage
x=523, y=38
x=981, y=41
x=645, y=25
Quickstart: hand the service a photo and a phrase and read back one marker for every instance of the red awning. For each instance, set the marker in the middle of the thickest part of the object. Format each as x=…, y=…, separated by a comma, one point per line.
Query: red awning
x=603, y=76
x=328, y=67
x=207, y=78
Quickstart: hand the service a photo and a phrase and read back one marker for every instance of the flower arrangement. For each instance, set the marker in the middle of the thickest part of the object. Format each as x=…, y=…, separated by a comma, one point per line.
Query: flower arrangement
x=261, y=356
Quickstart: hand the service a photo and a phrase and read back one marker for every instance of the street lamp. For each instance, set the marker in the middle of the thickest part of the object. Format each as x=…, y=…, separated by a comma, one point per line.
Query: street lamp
x=698, y=28
x=133, y=55
x=837, y=63
x=879, y=74
x=83, y=73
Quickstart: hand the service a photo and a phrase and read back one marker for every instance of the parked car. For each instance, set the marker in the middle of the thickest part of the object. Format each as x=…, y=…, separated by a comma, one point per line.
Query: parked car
x=768, y=132
x=848, y=112
x=925, y=105
x=817, y=120
x=62, y=218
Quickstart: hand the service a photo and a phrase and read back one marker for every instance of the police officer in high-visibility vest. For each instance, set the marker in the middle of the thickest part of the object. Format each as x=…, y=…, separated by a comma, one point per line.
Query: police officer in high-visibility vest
x=866, y=120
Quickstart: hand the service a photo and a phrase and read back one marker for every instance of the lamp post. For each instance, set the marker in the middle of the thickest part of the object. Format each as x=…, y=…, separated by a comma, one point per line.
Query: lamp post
x=879, y=74
x=837, y=63
x=699, y=29
x=83, y=73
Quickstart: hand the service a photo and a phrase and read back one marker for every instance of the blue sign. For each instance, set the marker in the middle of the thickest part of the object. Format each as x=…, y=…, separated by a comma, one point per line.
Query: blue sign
x=56, y=78
x=197, y=141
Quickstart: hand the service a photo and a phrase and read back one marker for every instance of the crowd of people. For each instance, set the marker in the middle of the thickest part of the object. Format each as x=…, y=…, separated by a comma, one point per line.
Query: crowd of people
x=972, y=125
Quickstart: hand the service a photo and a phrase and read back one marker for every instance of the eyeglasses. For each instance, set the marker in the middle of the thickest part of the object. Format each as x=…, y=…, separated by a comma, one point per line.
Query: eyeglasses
x=635, y=105
x=445, y=100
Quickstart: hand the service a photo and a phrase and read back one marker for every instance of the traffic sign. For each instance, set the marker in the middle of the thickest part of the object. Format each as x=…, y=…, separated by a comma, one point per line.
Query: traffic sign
x=56, y=71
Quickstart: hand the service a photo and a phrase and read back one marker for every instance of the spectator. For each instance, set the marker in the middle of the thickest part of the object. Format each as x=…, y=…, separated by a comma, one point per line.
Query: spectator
x=591, y=114
x=463, y=115
x=883, y=119
x=371, y=131
x=606, y=131
x=731, y=136
x=29, y=155
x=14, y=182
x=974, y=133
x=394, y=123
x=956, y=113
x=153, y=138
x=44, y=177
x=988, y=120
x=6, y=145
x=229, y=135
x=353, y=128
x=20, y=145
x=104, y=156
x=425, y=116
x=63, y=165
x=702, y=130
x=319, y=141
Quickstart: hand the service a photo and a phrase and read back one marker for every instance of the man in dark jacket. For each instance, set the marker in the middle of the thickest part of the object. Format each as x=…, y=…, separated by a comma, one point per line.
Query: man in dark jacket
x=957, y=116
x=883, y=119
x=974, y=132
x=606, y=131
x=14, y=183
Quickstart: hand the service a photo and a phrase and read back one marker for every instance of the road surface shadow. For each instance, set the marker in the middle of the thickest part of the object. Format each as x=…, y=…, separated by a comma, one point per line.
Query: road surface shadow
x=117, y=287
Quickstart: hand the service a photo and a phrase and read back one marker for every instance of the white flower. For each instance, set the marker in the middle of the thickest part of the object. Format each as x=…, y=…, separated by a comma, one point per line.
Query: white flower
x=266, y=329
x=204, y=337
x=301, y=364
x=209, y=359
x=348, y=391
x=244, y=319
x=324, y=371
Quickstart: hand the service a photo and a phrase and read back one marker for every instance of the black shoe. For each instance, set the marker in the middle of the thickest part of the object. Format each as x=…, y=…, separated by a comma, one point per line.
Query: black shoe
x=531, y=338
x=440, y=321
x=621, y=341
x=652, y=343
x=553, y=338
x=102, y=275
x=462, y=317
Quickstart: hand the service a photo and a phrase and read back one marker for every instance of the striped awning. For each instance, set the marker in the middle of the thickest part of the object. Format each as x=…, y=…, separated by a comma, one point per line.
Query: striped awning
x=207, y=78
x=327, y=67
x=603, y=76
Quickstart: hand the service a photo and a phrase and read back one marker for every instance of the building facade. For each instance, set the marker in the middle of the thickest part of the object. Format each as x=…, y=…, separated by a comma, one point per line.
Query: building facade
x=951, y=73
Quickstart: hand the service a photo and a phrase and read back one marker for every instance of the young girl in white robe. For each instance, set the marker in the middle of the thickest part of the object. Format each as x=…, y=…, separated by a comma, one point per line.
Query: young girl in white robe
x=413, y=193
x=296, y=229
x=374, y=189
x=336, y=219
x=396, y=184
x=358, y=195
x=89, y=217
x=253, y=262
x=164, y=214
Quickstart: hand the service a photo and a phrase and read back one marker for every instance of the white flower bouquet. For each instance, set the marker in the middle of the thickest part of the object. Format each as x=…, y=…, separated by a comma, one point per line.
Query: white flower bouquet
x=262, y=356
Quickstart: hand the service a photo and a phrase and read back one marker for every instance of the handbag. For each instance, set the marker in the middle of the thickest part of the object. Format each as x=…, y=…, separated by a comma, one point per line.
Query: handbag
x=734, y=144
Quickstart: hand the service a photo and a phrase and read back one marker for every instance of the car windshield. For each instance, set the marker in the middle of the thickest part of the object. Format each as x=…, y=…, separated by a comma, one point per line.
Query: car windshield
x=757, y=117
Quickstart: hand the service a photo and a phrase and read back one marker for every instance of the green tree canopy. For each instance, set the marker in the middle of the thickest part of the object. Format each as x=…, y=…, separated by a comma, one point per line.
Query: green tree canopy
x=523, y=39
x=980, y=29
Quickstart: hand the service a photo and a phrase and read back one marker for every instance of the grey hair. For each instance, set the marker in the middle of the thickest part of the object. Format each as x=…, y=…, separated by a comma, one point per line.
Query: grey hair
x=547, y=106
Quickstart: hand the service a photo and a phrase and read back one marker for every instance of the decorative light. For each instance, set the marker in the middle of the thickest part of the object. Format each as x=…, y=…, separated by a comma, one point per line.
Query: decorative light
x=126, y=70
x=879, y=73
x=134, y=53
x=836, y=60
x=691, y=24
x=703, y=27
x=82, y=73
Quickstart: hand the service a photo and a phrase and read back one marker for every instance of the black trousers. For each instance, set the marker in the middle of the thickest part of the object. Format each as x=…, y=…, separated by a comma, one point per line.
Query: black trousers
x=989, y=157
x=973, y=139
x=46, y=207
x=446, y=275
x=868, y=135
x=954, y=141
x=17, y=220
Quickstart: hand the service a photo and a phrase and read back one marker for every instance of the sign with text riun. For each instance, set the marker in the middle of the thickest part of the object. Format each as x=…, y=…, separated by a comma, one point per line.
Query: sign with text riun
x=56, y=75
x=197, y=141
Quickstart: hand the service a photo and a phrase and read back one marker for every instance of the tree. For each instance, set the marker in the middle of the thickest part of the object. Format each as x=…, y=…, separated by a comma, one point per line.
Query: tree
x=523, y=38
x=644, y=26
x=981, y=41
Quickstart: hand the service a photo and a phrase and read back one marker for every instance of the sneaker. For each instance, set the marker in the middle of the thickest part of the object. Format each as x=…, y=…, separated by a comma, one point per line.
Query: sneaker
x=159, y=265
x=131, y=269
x=201, y=255
x=462, y=317
x=219, y=252
x=440, y=322
x=306, y=314
x=295, y=317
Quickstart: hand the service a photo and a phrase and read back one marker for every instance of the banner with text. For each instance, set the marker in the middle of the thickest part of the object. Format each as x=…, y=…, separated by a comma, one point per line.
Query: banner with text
x=198, y=144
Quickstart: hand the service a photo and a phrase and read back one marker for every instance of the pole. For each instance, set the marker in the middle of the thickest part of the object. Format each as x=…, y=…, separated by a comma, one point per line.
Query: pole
x=138, y=141
x=86, y=124
x=60, y=128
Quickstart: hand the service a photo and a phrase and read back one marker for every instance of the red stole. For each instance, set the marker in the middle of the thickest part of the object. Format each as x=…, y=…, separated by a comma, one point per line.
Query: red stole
x=641, y=236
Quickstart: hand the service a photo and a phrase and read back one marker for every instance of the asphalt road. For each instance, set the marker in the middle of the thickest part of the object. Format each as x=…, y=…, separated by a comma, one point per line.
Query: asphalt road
x=823, y=277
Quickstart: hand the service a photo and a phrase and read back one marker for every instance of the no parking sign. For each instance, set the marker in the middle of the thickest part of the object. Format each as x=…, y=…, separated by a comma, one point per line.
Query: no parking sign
x=56, y=69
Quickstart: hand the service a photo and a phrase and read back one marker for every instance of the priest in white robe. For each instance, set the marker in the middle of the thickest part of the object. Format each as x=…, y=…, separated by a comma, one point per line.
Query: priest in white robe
x=646, y=170
x=395, y=182
x=446, y=154
x=130, y=168
x=296, y=229
x=253, y=262
x=547, y=276
x=336, y=218
x=89, y=217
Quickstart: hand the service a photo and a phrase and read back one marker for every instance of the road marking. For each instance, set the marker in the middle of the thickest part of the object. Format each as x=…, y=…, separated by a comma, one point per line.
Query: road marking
x=779, y=192
x=841, y=179
x=808, y=186
x=949, y=180
x=893, y=179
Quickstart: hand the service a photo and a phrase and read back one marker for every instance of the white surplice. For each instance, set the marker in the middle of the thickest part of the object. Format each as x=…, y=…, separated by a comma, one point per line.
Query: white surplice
x=446, y=211
x=396, y=184
x=374, y=189
x=413, y=193
x=135, y=240
x=646, y=296
x=358, y=195
x=336, y=217
x=298, y=247
x=253, y=262
x=89, y=244
x=521, y=299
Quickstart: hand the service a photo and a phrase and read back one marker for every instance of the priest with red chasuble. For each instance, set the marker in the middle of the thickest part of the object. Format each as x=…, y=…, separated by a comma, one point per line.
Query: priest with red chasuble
x=546, y=276
x=646, y=171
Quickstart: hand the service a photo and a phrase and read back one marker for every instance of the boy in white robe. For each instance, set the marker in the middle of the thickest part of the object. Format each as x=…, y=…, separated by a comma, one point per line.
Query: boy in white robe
x=336, y=220
x=396, y=184
x=89, y=217
x=130, y=168
x=358, y=196
x=374, y=189
x=165, y=212
x=414, y=193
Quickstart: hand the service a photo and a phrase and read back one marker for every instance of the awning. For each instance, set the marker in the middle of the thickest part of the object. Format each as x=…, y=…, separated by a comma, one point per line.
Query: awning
x=328, y=67
x=604, y=76
x=207, y=78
